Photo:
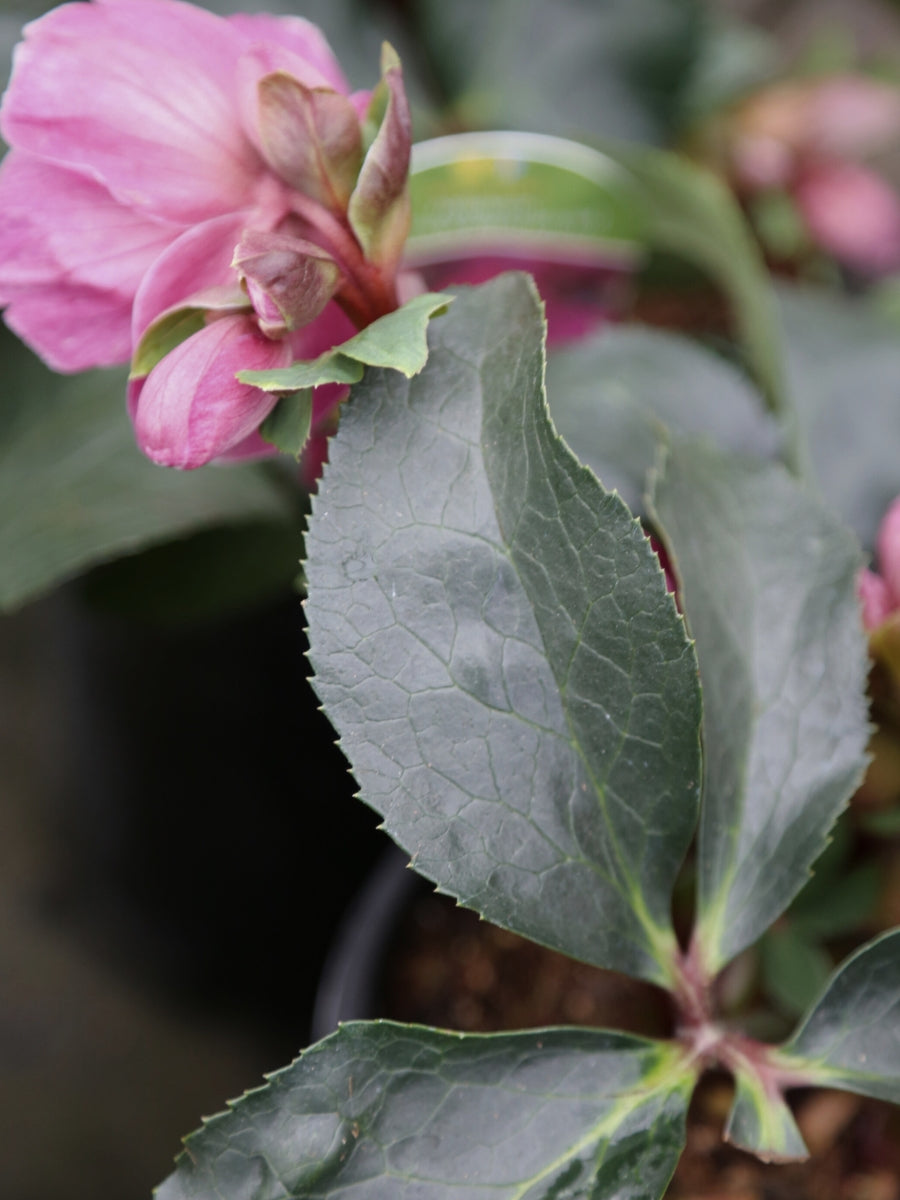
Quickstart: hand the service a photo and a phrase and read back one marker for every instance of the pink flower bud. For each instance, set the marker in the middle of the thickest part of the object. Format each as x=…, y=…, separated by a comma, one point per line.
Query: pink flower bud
x=853, y=214
x=311, y=138
x=289, y=281
x=379, y=209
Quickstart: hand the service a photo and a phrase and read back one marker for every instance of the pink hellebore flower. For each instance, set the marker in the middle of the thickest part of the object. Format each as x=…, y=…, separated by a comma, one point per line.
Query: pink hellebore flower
x=193, y=190
x=807, y=138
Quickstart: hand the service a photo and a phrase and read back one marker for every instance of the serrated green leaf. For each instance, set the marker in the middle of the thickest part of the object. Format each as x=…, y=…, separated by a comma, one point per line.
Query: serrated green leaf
x=397, y=340
x=75, y=490
x=794, y=970
x=614, y=396
x=851, y=1037
x=762, y=1123
x=288, y=425
x=768, y=577
x=494, y=643
x=392, y=1112
x=843, y=367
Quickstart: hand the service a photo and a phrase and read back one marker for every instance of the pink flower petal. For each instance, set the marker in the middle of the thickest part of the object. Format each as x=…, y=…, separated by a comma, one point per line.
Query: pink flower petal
x=853, y=214
x=889, y=552
x=874, y=598
x=192, y=408
x=71, y=260
x=73, y=328
x=198, y=260
x=304, y=42
x=141, y=94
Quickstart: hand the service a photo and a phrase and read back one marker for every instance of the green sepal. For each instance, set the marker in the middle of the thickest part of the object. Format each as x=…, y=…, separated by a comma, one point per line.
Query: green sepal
x=176, y=325
x=397, y=340
x=288, y=425
x=379, y=207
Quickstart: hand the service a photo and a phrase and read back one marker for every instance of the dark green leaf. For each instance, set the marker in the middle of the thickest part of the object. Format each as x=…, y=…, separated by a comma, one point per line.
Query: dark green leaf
x=794, y=970
x=762, y=1123
x=75, y=490
x=843, y=363
x=391, y=1112
x=495, y=645
x=288, y=425
x=613, y=397
x=768, y=578
x=397, y=340
x=851, y=1038
x=572, y=67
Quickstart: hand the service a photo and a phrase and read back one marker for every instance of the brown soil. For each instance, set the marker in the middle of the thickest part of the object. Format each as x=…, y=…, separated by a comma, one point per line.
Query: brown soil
x=454, y=971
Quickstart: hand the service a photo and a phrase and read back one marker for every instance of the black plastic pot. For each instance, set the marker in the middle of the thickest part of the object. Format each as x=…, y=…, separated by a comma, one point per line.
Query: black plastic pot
x=349, y=987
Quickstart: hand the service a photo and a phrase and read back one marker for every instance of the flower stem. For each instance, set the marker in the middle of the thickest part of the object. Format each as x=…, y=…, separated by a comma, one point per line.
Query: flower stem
x=365, y=294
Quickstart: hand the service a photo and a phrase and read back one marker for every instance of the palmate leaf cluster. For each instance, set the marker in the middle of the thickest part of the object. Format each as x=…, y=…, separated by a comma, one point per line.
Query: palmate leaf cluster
x=544, y=733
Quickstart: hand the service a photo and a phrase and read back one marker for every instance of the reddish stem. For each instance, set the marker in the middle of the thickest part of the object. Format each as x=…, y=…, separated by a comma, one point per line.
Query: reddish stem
x=714, y=1045
x=365, y=294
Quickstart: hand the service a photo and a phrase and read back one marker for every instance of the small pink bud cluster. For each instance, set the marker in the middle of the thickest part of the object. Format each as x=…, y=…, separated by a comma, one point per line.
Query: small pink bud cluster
x=202, y=196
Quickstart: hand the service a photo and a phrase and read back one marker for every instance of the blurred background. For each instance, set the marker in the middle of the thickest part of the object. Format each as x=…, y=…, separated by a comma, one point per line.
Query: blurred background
x=178, y=835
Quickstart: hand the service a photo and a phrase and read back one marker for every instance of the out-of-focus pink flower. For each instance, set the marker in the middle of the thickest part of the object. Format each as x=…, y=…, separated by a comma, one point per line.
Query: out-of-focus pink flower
x=808, y=139
x=578, y=297
x=853, y=213
x=168, y=162
x=880, y=592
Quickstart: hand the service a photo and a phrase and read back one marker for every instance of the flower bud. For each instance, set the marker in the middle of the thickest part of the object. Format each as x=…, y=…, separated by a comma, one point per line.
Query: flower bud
x=379, y=208
x=289, y=281
x=311, y=138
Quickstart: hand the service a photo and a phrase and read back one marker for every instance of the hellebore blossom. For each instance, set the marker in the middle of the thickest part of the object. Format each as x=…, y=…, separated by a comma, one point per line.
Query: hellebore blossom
x=200, y=195
x=810, y=139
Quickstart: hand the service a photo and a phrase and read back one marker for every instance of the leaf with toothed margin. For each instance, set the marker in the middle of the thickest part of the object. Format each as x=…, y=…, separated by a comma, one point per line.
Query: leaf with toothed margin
x=494, y=643
x=382, y=1111
x=850, y=1039
x=762, y=1123
x=397, y=340
x=768, y=580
